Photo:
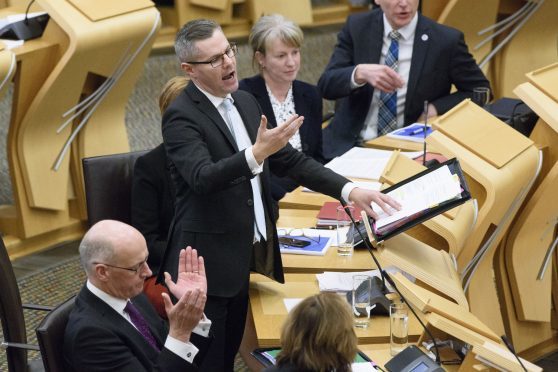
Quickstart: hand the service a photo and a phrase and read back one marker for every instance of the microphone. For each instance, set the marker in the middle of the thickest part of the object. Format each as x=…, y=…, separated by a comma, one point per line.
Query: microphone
x=511, y=348
x=385, y=276
x=424, y=133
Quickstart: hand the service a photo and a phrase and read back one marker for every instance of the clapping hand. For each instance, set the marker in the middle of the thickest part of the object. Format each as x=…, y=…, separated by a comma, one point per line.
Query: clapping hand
x=191, y=274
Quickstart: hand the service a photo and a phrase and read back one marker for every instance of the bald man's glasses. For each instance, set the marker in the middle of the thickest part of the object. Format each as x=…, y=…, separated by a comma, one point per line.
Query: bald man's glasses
x=132, y=269
x=218, y=60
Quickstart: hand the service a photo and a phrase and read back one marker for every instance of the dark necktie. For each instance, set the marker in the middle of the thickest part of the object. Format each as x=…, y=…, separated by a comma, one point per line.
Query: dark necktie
x=141, y=324
x=387, y=113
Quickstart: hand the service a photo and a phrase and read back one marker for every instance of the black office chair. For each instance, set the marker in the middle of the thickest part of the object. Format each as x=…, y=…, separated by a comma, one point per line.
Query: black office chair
x=108, y=186
x=50, y=334
x=13, y=322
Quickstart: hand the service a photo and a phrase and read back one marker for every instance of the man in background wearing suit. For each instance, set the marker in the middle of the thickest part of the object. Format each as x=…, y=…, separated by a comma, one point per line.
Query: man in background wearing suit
x=222, y=153
x=113, y=327
x=430, y=58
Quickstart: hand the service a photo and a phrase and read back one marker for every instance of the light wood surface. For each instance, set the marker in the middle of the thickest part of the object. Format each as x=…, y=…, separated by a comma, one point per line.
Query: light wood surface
x=269, y=311
x=534, y=46
x=495, y=184
x=546, y=79
x=7, y=68
x=72, y=59
x=389, y=143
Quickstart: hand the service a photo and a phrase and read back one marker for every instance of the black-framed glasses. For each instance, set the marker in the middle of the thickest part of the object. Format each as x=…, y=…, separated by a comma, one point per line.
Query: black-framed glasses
x=132, y=269
x=218, y=60
x=296, y=238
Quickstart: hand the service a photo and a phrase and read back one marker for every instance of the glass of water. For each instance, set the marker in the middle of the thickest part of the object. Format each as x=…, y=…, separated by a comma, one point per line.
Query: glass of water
x=399, y=327
x=345, y=236
x=481, y=96
x=362, y=285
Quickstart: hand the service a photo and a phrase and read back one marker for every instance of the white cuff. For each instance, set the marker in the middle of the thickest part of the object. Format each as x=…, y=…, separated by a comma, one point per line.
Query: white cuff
x=202, y=329
x=346, y=190
x=354, y=84
x=185, y=350
x=252, y=163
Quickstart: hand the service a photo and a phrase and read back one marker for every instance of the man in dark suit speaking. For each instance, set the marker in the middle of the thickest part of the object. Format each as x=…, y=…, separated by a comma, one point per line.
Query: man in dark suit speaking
x=113, y=327
x=385, y=64
x=222, y=153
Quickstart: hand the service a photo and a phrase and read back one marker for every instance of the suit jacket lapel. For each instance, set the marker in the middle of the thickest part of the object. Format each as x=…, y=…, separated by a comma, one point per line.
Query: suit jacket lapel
x=206, y=107
x=420, y=50
x=118, y=320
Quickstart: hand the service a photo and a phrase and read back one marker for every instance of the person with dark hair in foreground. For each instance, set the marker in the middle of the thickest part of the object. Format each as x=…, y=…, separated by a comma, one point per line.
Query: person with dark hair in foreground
x=318, y=335
x=113, y=327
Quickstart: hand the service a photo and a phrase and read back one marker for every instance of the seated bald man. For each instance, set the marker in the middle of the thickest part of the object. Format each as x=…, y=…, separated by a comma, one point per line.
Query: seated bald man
x=113, y=327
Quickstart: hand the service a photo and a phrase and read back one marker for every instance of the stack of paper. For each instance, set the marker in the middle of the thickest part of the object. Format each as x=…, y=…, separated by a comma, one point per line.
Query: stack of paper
x=319, y=241
x=364, y=163
x=330, y=281
x=417, y=197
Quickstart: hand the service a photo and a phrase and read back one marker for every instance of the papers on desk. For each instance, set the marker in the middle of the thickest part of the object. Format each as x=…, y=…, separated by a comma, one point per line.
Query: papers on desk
x=290, y=303
x=418, y=196
x=364, y=163
x=413, y=133
x=331, y=281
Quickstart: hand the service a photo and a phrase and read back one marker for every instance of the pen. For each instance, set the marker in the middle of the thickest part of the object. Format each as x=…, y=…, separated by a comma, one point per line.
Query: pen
x=417, y=131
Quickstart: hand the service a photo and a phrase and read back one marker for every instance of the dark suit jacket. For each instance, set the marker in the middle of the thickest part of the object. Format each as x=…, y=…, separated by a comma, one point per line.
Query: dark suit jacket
x=153, y=202
x=214, y=208
x=308, y=103
x=440, y=59
x=97, y=338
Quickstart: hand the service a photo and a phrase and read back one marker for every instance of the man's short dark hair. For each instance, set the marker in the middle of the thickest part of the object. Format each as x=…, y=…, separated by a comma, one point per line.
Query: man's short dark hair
x=189, y=34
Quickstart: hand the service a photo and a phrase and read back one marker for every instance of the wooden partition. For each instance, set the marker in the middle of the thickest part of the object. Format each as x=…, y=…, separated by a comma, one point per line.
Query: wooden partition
x=501, y=166
x=446, y=320
x=71, y=90
x=526, y=268
x=7, y=68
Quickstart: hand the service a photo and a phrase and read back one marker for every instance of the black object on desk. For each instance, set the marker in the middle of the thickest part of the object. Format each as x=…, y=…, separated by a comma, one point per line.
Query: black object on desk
x=412, y=359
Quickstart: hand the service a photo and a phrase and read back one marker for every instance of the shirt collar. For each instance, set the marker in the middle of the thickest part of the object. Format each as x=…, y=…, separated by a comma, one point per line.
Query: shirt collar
x=215, y=101
x=117, y=304
x=406, y=32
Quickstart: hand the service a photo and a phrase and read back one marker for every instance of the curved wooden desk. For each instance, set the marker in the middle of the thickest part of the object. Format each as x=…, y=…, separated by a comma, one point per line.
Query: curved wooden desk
x=266, y=301
x=7, y=68
x=79, y=73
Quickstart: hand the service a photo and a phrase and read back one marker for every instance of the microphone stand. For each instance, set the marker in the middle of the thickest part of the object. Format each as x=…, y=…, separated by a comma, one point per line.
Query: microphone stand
x=511, y=348
x=385, y=276
x=424, y=133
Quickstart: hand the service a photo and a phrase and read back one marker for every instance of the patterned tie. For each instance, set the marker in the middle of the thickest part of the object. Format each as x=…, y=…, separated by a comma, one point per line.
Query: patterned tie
x=387, y=113
x=141, y=324
x=260, y=229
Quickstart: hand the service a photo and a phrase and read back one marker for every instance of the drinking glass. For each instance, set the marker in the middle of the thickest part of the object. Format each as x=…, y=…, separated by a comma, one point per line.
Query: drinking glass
x=345, y=236
x=481, y=96
x=362, y=285
x=398, y=326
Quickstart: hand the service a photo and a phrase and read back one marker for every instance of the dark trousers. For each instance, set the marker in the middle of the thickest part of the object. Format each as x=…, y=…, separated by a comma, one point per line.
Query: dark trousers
x=228, y=316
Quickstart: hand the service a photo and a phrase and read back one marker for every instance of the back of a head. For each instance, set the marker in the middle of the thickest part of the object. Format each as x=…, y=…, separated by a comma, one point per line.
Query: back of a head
x=171, y=90
x=318, y=335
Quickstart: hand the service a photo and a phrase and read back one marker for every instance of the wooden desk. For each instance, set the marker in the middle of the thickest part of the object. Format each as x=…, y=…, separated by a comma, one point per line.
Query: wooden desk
x=388, y=143
x=297, y=263
x=269, y=312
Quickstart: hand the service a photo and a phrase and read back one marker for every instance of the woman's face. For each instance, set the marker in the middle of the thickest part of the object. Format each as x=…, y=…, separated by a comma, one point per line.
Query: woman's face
x=281, y=62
